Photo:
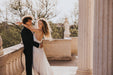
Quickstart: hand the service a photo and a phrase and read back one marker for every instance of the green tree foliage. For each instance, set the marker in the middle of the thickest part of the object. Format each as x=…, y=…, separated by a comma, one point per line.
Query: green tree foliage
x=57, y=32
x=74, y=30
x=11, y=36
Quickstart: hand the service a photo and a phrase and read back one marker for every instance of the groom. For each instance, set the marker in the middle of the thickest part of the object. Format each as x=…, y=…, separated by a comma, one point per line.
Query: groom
x=28, y=41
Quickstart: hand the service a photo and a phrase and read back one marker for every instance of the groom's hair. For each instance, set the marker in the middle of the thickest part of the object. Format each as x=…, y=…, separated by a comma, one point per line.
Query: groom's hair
x=26, y=18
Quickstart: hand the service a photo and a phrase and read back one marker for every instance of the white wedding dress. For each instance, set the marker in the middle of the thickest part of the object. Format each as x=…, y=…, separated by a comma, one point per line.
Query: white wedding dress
x=41, y=65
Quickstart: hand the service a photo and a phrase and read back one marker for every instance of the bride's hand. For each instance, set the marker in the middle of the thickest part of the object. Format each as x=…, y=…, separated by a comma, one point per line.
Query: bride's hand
x=41, y=45
x=19, y=23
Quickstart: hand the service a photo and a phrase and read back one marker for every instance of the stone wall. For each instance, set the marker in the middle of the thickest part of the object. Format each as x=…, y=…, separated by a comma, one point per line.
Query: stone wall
x=60, y=49
x=57, y=49
x=74, y=46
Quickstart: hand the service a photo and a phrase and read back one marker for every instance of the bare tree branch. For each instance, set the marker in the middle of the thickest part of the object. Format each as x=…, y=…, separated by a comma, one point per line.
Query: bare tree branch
x=47, y=9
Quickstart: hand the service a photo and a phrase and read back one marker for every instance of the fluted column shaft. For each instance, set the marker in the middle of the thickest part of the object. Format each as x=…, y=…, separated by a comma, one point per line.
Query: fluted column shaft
x=103, y=37
x=85, y=40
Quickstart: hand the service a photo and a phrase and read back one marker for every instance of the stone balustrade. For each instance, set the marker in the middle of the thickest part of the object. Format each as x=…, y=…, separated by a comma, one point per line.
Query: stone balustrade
x=60, y=49
x=11, y=61
x=74, y=46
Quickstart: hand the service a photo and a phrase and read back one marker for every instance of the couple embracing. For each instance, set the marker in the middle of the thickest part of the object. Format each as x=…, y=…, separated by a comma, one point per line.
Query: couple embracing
x=32, y=39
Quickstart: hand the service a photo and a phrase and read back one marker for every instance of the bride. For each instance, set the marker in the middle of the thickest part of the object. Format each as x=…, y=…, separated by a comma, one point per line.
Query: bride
x=41, y=65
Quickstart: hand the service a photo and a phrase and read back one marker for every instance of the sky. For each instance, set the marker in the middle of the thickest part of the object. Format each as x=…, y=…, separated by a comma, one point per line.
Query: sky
x=64, y=7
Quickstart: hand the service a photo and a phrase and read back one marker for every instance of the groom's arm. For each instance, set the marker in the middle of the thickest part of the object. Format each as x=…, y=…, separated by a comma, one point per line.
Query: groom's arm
x=36, y=44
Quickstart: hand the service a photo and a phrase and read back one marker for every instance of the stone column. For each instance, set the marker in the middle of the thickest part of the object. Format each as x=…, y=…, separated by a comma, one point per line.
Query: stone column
x=1, y=52
x=103, y=38
x=85, y=37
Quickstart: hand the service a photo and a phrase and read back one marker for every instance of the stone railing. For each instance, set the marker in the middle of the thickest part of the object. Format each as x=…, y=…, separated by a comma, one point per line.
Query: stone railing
x=11, y=60
x=74, y=46
x=61, y=49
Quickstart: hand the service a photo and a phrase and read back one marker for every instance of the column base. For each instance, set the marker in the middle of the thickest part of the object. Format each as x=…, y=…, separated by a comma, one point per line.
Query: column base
x=84, y=72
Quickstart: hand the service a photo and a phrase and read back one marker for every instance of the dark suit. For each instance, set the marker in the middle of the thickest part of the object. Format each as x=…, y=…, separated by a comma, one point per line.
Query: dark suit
x=28, y=41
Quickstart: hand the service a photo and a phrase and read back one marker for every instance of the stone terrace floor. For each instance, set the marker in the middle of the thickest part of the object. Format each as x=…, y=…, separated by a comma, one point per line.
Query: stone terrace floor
x=63, y=67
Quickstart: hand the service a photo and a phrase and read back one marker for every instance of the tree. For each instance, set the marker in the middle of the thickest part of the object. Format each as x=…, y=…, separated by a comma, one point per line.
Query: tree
x=10, y=36
x=46, y=9
x=38, y=8
x=20, y=8
x=57, y=32
x=74, y=30
x=2, y=16
x=75, y=14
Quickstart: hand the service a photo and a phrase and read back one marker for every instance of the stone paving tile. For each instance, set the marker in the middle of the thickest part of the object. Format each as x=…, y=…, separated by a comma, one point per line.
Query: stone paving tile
x=62, y=67
x=64, y=70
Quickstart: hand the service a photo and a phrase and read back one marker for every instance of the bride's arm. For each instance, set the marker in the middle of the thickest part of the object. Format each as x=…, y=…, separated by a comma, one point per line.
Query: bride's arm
x=31, y=28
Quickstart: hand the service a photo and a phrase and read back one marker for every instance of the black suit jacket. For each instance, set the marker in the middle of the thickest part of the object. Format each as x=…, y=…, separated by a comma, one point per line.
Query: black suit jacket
x=28, y=41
